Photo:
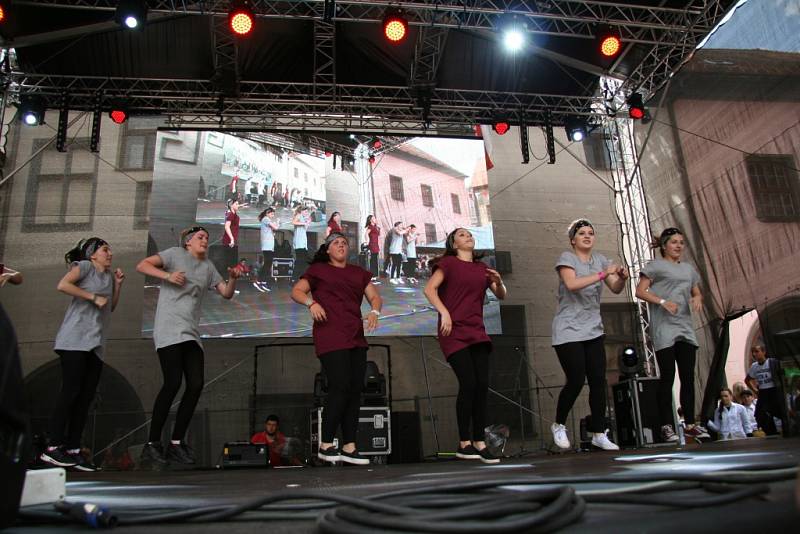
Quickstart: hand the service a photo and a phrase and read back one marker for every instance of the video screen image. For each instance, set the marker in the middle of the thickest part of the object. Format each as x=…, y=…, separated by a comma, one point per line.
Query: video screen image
x=416, y=191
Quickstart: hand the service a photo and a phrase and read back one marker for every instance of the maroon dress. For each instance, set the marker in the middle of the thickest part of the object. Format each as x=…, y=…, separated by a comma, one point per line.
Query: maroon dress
x=374, y=232
x=339, y=290
x=335, y=228
x=462, y=293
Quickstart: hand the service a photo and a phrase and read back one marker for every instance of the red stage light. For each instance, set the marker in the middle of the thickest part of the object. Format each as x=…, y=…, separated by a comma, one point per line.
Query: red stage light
x=395, y=27
x=610, y=45
x=241, y=18
x=636, y=113
x=118, y=115
x=501, y=127
x=2, y=13
x=327, y=154
x=371, y=160
x=636, y=106
x=377, y=144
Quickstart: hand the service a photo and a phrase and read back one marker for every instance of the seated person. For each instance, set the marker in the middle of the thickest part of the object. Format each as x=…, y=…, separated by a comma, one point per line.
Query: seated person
x=280, y=449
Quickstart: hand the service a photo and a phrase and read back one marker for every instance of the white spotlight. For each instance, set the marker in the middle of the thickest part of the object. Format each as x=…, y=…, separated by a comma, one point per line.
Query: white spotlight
x=131, y=21
x=513, y=39
x=30, y=119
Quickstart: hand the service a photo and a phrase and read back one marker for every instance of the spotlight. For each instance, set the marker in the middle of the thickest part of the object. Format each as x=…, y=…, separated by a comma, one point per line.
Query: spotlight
x=636, y=106
x=118, y=114
x=371, y=159
x=31, y=110
x=131, y=14
x=628, y=361
x=3, y=11
x=576, y=129
x=609, y=42
x=514, y=32
x=395, y=26
x=377, y=144
x=501, y=126
x=241, y=18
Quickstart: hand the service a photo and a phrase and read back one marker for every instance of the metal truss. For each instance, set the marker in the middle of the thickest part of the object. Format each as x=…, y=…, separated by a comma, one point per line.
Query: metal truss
x=324, y=60
x=226, y=58
x=575, y=18
x=428, y=52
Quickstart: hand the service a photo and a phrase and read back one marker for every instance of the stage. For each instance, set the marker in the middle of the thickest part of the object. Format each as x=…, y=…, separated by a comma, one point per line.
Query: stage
x=592, y=474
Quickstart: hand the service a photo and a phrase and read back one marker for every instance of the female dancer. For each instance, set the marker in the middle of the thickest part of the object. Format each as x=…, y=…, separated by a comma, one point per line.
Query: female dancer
x=456, y=289
x=80, y=344
x=268, y=226
x=396, y=252
x=730, y=419
x=187, y=274
x=373, y=233
x=673, y=287
x=578, y=330
x=334, y=224
x=332, y=290
x=300, y=221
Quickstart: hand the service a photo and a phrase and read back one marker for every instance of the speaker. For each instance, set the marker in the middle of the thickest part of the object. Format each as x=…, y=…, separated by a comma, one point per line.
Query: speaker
x=14, y=424
x=406, y=438
x=646, y=391
x=502, y=260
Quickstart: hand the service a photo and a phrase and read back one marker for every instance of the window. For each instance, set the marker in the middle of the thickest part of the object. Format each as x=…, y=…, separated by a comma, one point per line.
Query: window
x=141, y=207
x=427, y=195
x=305, y=175
x=61, y=190
x=296, y=172
x=430, y=233
x=775, y=185
x=137, y=148
x=456, y=203
x=396, y=186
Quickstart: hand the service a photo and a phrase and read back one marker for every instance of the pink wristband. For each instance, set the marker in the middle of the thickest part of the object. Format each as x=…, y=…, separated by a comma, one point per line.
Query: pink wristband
x=601, y=275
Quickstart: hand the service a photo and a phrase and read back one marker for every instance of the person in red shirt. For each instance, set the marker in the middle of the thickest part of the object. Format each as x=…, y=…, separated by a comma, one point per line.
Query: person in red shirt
x=334, y=224
x=272, y=437
x=456, y=289
x=373, y=233
x=332, y=290
x=230, y=235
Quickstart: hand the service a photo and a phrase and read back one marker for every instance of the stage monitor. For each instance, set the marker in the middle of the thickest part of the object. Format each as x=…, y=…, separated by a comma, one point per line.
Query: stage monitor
x=434, y=184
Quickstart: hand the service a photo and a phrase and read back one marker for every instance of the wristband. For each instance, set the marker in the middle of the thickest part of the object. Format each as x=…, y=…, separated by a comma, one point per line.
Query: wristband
x=601, y=275
x=376, y=312
x=661, y=302
x=167, y=277
x=94, y=298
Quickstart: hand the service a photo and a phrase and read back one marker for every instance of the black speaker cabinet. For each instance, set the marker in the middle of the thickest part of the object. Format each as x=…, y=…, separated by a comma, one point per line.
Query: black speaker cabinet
x=406, y=438
x=635, y=406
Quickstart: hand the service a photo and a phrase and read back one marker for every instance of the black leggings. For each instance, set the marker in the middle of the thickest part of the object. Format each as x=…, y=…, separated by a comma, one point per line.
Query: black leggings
x=300, y=263
x=683, y=354
x=373, y=263
x=583, y=360
x=80, y=374
x=181, y=359
x=266, y=269
x=769, y=405
x=345, y=371
x=471, y=365
x=397, y=262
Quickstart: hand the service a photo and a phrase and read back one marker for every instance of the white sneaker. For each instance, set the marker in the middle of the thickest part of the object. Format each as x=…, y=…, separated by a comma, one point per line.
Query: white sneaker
x=600, y=439
x=393, y=281
x=257, y=285
x=668, y=435
x=560, y=436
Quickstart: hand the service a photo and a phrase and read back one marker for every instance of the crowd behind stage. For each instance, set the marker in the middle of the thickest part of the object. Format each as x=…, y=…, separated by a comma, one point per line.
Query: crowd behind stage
x=332, y=290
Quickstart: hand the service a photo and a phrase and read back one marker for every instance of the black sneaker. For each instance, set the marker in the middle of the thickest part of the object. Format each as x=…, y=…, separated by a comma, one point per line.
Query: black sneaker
x=181, y=453
x=82, y=464
x=58, y=457
x=331, y=454
x=487, y=457
x=468, y=453
x=153, y=455
x=354, y=458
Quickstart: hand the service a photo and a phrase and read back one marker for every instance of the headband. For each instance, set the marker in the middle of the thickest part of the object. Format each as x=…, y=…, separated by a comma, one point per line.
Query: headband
x=666, y=234
x=91, y=246
x=335, y=235
x=186, y=235
x=574, y=227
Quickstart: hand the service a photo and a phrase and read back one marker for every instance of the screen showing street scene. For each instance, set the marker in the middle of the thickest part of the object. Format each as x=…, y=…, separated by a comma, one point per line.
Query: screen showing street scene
x=268, y=202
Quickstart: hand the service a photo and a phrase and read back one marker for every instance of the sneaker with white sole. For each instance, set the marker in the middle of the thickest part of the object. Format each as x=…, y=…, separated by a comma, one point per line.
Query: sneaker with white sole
x=58, y=456
x=354, y=458
x=468, y=453
x=487, y=457
x=560, y=436
x=257, y=285
x=600, y=440
x=668, y=434
x=697, y=431
x=331, y=454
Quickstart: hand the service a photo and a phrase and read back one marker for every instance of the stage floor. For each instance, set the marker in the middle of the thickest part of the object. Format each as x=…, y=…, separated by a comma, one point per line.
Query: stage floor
x=775, y=511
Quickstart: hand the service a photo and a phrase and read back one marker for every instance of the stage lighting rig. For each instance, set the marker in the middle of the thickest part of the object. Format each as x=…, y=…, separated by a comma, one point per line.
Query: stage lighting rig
x=550, y=140
x=31, y=110
x=119, y=113
x=241, y=18
x=501, y=125
x=636, y=109
x=514, y=32
x=609, y=42
x=395, y=26
x=576, y=129
x=63, y=117
x=628, y=361
x=131, y=14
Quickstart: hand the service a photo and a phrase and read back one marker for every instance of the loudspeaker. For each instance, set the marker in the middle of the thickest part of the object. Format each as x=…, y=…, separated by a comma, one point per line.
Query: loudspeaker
x=374, y=393
x=646, y=391
x=14, y=424
x=406, y=438
x=502, y=260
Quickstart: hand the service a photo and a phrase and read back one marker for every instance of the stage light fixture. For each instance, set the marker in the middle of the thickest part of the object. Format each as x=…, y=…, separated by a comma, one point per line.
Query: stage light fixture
x=97, y=115
x=395, y=26
x=118, y=114
x=636, y=106
x=131, y=14
x=371, y=159
x=241, y=18
x=628, y=361
x=501, y=126
x=576, y=129
x=609, y=42
x=514, y=33
x=63, y=118
x=377, y=144
x=31, y=110
x=3, y=12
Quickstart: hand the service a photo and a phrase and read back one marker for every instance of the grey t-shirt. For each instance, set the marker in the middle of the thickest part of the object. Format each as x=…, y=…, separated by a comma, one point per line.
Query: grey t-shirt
x=674, y=282
x=300, y=238
x=578, y=315
x=178, y=309
x=396, y=245
x=267, y=235
x=85, y=325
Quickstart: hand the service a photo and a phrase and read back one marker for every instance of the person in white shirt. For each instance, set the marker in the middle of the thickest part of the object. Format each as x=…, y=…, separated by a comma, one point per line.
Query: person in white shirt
x=749, y=403
x=730, y=419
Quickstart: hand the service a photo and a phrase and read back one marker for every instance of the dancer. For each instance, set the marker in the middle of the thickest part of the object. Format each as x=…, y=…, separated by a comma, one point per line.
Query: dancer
x=300, y=221
x=187, y=274
x=268, y=226
x=672, y=286
x=456, y=289
x=230, y=236
x=411, y=254
x=373, y=233
x=730, y=419
x=578, y=331
x=334, y=224
x=332, y=290
x=80, y=345
x=396, y=252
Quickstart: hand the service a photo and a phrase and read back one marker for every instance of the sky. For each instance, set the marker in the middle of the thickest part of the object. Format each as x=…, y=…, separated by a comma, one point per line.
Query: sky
x=760, y=25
